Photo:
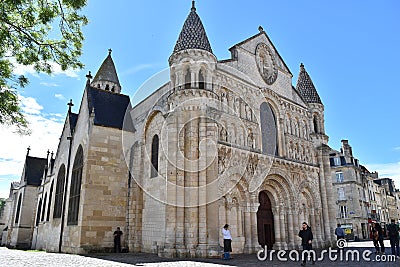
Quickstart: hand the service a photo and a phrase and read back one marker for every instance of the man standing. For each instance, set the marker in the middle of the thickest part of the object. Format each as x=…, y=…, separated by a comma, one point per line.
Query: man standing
x=339, y=232
x=117, y=240
x=306, y=242
x=393, y=230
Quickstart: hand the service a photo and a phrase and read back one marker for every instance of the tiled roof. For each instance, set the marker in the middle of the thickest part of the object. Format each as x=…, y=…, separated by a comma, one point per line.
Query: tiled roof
x=193, y=34
x=110, y=109
x=107, y=71
x=306, y=87
x=34, y=168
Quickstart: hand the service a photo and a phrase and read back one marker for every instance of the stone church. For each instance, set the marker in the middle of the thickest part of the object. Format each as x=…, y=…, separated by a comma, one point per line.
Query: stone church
x=223, y=141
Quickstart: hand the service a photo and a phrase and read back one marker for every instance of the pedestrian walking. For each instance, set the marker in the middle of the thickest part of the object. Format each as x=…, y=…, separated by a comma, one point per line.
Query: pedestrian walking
x=378, y=238
x=306, y=236
x=393, y=232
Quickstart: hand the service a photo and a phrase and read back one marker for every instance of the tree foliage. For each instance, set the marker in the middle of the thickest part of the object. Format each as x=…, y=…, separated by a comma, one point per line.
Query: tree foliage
x=37, y=33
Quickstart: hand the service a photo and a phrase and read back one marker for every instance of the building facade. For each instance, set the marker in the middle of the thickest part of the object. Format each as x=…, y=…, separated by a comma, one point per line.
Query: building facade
x=361, y=196
x=223, y=141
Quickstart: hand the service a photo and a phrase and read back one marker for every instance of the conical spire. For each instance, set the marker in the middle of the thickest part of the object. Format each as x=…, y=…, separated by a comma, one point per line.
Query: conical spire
x=193, y=34
x=306, y=87
x=106, y=77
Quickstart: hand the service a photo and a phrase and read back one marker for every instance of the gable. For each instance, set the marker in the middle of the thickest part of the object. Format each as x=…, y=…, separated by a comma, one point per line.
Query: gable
x=251, y=44
x=257, y=61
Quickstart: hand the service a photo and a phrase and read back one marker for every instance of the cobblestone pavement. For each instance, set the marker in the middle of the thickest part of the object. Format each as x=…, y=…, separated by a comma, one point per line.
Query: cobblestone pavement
x=16, y=258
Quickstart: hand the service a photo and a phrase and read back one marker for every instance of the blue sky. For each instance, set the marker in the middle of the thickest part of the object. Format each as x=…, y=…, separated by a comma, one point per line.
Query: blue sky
x=349, y=48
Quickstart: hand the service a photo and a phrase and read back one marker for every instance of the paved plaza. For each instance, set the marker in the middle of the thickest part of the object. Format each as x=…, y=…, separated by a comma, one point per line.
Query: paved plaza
x=10, y=257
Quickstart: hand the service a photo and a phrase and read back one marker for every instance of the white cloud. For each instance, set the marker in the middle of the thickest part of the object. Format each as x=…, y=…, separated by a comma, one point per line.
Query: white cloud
x=59, y=96
x=20, y=69
x=49, y=84
x=46, y=130
x=397, y=148
x=29, y=105
x=387, y=170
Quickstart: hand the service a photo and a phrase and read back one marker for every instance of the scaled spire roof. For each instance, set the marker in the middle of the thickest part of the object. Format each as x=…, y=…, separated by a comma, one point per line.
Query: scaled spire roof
x=306, y=87
x=193, y=34
x=107, y=71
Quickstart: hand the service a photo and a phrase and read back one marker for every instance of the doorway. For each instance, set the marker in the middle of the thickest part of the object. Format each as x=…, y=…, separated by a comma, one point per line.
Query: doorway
x=265, y=221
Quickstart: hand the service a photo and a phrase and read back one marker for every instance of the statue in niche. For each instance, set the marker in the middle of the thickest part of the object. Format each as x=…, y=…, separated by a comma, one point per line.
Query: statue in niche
x=223, y=134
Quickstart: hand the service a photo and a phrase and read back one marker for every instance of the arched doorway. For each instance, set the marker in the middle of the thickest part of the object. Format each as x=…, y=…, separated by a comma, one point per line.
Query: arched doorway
x=265, y=221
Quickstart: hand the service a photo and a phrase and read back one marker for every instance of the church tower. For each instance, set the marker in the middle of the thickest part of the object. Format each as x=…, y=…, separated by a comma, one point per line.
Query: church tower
x=192, y=61
x=106, y=77
x=307, y=90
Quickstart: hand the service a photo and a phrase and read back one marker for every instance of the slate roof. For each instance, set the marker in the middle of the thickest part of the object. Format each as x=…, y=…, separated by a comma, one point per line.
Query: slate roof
x=73, y=118
x=107, y=71
x=34, y=168
x=306, y=87
x=193, y=34
x=110, y=109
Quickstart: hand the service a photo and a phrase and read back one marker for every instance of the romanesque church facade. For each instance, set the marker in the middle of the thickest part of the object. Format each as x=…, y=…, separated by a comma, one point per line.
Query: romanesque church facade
x=223, y=141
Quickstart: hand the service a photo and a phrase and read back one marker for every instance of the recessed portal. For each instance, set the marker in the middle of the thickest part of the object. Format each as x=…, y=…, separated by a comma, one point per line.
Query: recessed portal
x=265, y=221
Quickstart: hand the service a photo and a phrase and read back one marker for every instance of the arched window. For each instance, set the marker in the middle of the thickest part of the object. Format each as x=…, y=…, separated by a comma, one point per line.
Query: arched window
x=39, y=208
x=201, y=80
x=50, y=198
x=268, y=130
x=75, y=189
x=188, y=79
x=107, y=87
x=18, y=208
x=154, y=156
x=44, y=206
x=315, y=122
x=58, y=200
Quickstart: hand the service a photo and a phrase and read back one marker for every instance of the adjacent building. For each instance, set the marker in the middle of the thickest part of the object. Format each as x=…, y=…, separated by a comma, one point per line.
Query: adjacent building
x=361, y=196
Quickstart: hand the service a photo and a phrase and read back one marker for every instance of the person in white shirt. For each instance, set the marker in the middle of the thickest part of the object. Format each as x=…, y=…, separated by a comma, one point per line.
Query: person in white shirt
x=226, y=233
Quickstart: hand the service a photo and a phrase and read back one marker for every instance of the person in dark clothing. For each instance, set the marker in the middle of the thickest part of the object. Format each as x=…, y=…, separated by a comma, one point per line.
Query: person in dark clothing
x=375, y=237
x=117, y=240
x=393, y=233
x=379, y=232
x=306, y=236
x=339, y=232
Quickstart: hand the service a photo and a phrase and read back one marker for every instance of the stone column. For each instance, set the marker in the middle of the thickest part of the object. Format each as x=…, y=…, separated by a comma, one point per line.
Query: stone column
x=171, y=188
x=291, y=229
x=283, y=232
x=281, y=138
x=191, y=183
x=180, y=193
x=212, y=220
x=202, y=195
x=277, y=227
x=254, y=232
x=326, y=189
x=247, y=229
